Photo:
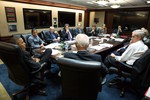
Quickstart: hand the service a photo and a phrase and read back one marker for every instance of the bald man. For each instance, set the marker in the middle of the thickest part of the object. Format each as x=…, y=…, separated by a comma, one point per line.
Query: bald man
x=82, y=43
x=51, y=36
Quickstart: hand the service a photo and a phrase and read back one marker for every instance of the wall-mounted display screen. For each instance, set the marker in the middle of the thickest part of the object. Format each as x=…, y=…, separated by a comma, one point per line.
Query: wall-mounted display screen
x=66, y=17
x=34, y=18
x=130, y=19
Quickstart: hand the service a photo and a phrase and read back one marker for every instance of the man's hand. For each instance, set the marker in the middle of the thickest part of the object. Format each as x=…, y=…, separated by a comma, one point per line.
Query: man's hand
x=36, y=59
x=113, y=55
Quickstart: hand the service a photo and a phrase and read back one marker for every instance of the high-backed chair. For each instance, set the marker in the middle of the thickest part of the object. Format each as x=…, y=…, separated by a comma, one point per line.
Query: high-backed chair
x=81, y=80
x=25, y=39
x=138, y=73
x=41, y=35
x=44, y=36
x=18, y=71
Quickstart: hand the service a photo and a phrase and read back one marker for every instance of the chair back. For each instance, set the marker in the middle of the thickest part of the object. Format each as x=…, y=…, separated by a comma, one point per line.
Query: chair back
x=141, y=73
x=41, y=35
x=25, y=39
x=141, y=64
x=12, y=57
x=88, y=29
x=80, y=79
x=44, y=35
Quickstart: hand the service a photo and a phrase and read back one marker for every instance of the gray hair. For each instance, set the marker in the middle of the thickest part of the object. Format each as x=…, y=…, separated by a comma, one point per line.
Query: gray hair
x=139, y=33
x=51, y=27
x=145, y=31
x=82, y=40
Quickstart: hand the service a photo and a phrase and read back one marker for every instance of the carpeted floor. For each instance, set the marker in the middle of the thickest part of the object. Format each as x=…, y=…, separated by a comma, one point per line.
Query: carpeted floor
x=53, y=89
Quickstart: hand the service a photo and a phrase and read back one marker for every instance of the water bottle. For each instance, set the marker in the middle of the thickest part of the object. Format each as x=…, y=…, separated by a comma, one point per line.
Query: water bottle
x=66, y=47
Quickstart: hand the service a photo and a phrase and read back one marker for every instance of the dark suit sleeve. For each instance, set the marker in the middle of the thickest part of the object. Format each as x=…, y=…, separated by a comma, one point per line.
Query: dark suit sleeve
x=64, y=35
x=48, y=37
x=30, y=62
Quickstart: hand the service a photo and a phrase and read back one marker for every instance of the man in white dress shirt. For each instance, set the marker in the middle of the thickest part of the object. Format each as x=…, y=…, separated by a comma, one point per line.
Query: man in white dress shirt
x=133, y=52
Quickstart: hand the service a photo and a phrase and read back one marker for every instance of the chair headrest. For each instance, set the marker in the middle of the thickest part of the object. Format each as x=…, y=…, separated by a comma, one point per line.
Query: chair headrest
x=79, y=63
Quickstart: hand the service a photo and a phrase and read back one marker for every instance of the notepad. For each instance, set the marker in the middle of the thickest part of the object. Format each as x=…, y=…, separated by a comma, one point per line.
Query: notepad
x=97, y=47
x=105, y=45
x=119, y=39
x=147, y=94
x=52, y=45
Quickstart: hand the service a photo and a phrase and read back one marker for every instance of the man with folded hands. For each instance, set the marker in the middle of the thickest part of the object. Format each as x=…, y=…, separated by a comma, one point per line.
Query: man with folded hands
x=51, y=36
x=32, y=62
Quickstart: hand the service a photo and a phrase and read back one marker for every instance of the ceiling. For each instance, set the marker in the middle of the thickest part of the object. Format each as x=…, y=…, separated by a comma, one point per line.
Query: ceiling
x=91, y=4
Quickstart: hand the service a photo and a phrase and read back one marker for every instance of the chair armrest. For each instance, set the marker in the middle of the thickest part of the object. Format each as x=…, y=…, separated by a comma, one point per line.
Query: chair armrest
x=126, y=65
x=44, y=44
x=42, y=66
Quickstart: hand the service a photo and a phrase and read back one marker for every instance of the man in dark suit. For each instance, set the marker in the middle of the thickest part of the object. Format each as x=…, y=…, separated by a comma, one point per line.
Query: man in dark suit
x=78, y=30
x=51, y=36
x=34, y=63
x=82, y=43
x=66, y=33
x=94, y=31
x=31, y=61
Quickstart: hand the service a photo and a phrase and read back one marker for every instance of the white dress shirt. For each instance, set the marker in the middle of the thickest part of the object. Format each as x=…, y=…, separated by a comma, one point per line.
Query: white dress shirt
x=132, y=53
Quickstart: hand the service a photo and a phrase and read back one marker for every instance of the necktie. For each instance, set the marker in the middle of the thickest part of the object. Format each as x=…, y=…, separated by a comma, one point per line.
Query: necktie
x=69, y=36
x=53, y=36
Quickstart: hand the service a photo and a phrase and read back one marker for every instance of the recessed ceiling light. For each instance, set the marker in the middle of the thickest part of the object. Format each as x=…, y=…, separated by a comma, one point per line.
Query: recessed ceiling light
x=148, y=1
x=102, y=2
x=115, y=6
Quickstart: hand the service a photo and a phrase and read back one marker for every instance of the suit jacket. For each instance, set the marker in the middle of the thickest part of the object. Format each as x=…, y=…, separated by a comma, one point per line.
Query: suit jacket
x=64, y=35
x=30, y=62
x=95, y=33
x=77, y=31
x=49, y=37
x=84, y=55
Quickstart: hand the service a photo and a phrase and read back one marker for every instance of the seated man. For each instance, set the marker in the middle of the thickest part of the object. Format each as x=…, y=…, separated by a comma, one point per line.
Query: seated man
x=36, y=43
x=50, y=36
x=104, y=29
x=78, y=30
x=34, y=63
x=67, y=33
x=146, y=39
x=133, y=52
x=118, y=31
x=82, y=43
x=94, y=31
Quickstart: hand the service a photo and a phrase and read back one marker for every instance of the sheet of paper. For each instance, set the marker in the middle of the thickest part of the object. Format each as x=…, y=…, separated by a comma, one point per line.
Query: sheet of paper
x=119, y=39
x=97, y=47
x=147, y=94
x=55, y=52
x=52, y=45
x=106, y=45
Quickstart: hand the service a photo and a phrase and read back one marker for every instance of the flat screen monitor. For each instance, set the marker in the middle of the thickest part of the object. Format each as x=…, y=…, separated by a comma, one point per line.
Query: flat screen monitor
x=34, y=18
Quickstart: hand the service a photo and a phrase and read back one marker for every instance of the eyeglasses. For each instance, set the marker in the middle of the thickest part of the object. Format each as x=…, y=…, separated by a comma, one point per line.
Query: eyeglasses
x=133, y=36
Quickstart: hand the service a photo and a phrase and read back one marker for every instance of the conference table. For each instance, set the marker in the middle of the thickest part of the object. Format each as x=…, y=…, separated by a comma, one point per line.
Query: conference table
x=98, y=45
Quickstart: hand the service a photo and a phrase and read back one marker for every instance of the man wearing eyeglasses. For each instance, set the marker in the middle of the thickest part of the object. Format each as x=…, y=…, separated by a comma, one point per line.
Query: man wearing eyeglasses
x=133, y=52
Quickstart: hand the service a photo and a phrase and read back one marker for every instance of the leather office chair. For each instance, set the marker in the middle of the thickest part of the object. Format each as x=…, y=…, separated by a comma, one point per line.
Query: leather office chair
x=138, y=74
x=44, y=36
x=41, y=35
x=18, y=71
x=88, y=29
x=25, y=39
x=81, y=80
